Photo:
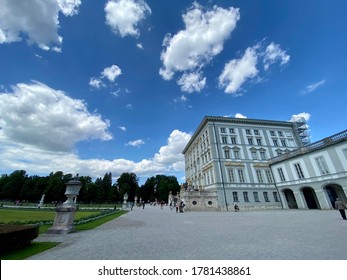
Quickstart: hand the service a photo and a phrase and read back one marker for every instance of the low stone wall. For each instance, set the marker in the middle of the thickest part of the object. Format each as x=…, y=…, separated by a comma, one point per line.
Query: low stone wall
x=200, y=200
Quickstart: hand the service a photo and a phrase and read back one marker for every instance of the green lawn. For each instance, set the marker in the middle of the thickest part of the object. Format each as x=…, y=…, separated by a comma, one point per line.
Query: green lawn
x=39, y=215
x=25, y=215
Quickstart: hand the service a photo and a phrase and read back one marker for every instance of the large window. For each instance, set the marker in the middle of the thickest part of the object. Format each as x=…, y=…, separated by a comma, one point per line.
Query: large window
x=322, y=165
x=299, y=171
x=256, y=197
x=263, y=155
x=235, y=197
x=237, y=154
x=269, y=176
x=231, y=175
x=241, y=175
x=227, y=154
x=245, y=196
x=266, y=197
x=259, y=176
x=281, y=174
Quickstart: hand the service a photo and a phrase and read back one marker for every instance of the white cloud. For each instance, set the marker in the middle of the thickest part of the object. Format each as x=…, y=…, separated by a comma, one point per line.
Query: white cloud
x=237, y=71
x=36, y=160
x=136, y=143
x=171, y=154
x=34, y=20
x=182, y=98
x=202, y=39
x=313, y=87
x=192, y=82
x=43, y=118
x=109, y=73
x=69, y=7
x=273, y=54
x=240, y=116
x=96, y=83
x=123, y=128
x=123, y=16
x=300, y=117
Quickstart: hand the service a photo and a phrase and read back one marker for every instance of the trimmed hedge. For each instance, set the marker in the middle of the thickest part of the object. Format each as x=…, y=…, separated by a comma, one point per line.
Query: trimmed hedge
x=14, y=237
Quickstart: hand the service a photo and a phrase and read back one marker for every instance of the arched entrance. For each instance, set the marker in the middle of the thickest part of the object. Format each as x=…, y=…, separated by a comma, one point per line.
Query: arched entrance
x=333, y=191
x=310, y=198
x=290, y=198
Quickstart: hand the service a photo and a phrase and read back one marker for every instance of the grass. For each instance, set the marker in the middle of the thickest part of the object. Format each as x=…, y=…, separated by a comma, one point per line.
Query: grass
x=13, y=216
x=37, y=247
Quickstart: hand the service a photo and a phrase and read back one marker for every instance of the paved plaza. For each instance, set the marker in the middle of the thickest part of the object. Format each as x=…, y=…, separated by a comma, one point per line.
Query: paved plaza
x=162, y=234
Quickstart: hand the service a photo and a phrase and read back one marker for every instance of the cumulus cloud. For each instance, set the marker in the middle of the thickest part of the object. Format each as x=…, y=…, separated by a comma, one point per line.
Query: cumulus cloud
x=34, y=20
x=192, y=82
x=35, y=160
x=202, y=39
x=109, y=73
x=240, y=116
x=48, y=119
x=123, y=16
x=123, y=128
x=313, y=87
x=238, y=71
x=136, y=143
x=171, y=154
x=273, y=54
x=300, y=117
x=96, y=83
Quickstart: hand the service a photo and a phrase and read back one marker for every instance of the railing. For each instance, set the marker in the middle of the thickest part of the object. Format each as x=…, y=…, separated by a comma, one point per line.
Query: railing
x=312, y=147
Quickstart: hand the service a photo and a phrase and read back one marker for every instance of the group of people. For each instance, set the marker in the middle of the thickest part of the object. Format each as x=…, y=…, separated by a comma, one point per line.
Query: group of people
x=179, y=205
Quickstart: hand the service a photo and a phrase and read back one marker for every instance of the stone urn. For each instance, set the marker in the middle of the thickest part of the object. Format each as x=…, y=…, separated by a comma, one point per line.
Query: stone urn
x=65, y=213
x=72, y=190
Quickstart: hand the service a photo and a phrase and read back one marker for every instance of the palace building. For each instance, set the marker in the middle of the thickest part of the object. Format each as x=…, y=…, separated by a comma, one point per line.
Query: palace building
x=239, y=161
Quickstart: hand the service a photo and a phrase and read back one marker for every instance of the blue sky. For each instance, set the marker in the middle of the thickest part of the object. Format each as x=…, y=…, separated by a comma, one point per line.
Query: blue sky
x=117, y=86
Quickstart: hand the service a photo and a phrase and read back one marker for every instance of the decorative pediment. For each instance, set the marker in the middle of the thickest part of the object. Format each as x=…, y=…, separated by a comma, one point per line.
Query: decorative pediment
x=234, y=164
x=261, y=165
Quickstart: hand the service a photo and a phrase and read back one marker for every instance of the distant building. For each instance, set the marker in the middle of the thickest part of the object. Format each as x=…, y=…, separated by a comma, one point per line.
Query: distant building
x=313, y=176
x=227, y=162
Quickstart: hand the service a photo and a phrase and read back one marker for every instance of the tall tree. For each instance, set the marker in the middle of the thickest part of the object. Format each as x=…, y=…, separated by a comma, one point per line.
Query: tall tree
x=158, y=187
x=128, y=183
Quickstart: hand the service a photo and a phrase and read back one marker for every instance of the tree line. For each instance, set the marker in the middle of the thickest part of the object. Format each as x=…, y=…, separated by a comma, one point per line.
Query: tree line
x=20, y=186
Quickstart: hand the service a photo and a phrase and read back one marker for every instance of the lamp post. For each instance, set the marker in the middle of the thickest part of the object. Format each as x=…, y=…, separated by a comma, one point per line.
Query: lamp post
x=65, y=213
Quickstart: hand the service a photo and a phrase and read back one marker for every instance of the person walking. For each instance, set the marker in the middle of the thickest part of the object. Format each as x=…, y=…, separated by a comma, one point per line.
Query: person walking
x=341, y=207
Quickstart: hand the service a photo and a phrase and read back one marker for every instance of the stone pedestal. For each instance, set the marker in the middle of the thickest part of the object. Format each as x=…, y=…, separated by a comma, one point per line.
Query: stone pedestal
x=63, y=222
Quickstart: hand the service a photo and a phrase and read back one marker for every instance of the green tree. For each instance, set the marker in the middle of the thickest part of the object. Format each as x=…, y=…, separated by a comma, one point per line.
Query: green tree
x=128, y=183
x=14, y=184
x=159, y=187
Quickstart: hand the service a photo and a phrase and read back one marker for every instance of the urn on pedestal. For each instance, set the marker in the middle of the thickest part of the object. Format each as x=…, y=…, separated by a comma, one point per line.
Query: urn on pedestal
x=65, y=213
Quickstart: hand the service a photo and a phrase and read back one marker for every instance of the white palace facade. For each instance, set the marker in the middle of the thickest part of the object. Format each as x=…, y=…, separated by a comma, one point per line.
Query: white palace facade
x=236, y=161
